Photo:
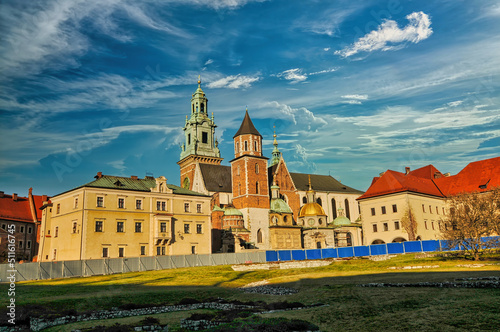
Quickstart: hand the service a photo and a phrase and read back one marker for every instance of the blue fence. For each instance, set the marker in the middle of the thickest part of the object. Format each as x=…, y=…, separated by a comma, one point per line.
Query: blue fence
x=361, y=251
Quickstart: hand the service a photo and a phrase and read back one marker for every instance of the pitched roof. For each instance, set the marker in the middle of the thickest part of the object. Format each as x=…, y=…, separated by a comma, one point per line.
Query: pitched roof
x=479, y=176
x=427, y=172
x=321, y=183
x=124, y=183
x=217, y=177
x=19, y=209
x=393, y=182
x=247, y=127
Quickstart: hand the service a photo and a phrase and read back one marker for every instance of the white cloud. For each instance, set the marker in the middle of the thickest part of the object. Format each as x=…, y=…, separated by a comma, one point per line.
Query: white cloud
x=234, y=82
x=389, y=36
x=301, y=115
x=352, y=102
x=455, y=103
x=209, y=61
x=357, y=97
x=382, y=119
x=331, y=70
x=326, y=49
x=295, y=75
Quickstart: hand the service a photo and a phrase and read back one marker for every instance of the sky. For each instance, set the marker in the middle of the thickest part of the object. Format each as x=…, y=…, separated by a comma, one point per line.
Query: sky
x=352, y=88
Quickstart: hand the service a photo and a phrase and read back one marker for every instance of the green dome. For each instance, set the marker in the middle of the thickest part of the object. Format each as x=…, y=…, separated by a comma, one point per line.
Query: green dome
x=232, y=211
x=280, y=206
x=341, y=221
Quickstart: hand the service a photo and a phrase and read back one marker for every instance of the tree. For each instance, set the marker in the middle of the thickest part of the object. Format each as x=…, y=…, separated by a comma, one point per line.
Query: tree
x=409, y=223
x=472, y=216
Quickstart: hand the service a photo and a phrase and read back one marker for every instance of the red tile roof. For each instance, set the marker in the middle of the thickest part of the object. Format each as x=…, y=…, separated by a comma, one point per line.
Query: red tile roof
x=480, y=176
x=19, y=210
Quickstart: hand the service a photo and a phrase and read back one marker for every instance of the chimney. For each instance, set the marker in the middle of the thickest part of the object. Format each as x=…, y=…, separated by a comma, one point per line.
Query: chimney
x=14, y=197
x=380, y=174
x=134, y=177
x=447, y=174
x=437, y=175
x=407, y=170
x=1, y=194
x=99, y=175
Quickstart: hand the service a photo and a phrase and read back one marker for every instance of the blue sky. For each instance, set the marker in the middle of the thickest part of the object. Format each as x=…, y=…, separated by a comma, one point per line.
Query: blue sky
x=353, y=87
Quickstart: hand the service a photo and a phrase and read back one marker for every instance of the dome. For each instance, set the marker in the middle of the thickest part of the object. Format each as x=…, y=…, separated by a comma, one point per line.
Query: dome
x=341, y=221
x=280, y=206
x=232, y=211
x=311, y=209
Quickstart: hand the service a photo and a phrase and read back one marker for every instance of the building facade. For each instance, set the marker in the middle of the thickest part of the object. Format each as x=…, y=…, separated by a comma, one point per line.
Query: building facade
x=125, y=217
x=20, y=219
x=247, y=186
x=424, y=192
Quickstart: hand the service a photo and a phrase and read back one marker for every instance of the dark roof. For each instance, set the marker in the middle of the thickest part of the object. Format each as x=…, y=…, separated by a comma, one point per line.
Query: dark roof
x=321, y=183
x=217, y=177
x=123, y=183
x=247, y=127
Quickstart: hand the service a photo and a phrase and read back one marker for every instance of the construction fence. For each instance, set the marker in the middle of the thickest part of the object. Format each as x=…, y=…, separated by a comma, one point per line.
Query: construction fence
x=92, y=267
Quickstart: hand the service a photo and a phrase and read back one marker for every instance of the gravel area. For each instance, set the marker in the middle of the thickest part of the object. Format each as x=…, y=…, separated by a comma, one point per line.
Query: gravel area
x=270, y=290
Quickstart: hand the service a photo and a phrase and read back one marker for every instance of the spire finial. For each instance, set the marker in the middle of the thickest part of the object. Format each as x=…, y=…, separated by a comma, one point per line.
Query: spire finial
x=199, y=79
x=310, y=188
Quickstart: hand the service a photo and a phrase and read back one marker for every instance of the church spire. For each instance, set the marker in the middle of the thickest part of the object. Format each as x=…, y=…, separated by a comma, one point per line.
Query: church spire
x=276, y=154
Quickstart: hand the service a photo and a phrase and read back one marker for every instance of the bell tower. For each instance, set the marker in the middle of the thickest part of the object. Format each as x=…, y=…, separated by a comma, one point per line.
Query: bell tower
x=250, y=182
x=200, y=145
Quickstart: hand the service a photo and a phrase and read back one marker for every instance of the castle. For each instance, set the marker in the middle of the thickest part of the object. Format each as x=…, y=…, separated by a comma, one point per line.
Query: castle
x=256, y=202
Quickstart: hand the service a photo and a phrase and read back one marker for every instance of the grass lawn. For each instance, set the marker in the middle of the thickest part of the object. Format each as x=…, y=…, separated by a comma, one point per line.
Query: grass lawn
x=349, y=307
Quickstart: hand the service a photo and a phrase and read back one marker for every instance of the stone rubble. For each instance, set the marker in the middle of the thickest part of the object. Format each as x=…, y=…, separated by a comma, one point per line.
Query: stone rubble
x=270, y=290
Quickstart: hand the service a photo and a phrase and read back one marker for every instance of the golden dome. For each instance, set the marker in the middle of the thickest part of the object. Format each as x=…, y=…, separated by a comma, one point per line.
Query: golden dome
x=311, y=209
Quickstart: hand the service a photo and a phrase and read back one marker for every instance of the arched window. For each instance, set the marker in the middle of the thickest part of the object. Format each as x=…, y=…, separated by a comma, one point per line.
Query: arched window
x=255, y=145
x=257, y=187
x=318, y=200
x=259, y=236
x=185, y=183
x=285, y=219
x=256, y=168
x=348, y=238
x=334, y=208
x=237, y=147
x=347, y=213
x=246, y=146
x=304, y=199
x=202, y=107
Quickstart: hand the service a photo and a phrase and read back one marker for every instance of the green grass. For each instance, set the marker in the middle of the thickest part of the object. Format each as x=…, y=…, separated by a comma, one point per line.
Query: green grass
x=349, y=307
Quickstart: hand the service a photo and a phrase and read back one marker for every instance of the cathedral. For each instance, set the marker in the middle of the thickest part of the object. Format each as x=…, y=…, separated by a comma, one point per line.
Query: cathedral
x=256, y=202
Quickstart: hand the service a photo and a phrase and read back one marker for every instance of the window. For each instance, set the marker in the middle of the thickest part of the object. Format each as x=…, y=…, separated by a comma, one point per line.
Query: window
x=198, y=208
x=138, y=227
x=21, y=229
x=396, y=225
x=21, y=244
x=121, y=252
x=199, y=229
x=163, y=251
x=119, y=226
x=158, y=205
x=193, y=250
x=318, y=245
x=100, y=201
x=432, y=224
x=256, y=187
x=246, y=146
x=204, y=137
x=56, y=234
x=255, y=145
x=189, y=139
x=4, y=226
x=76, y=202
x=386, y=227
x=186, y=228
x=104, y=252
x=304, y=200
x=163, y=227
x=98, y=226
x=425, y=222
x=186, y=207
x=58, y=208
x=143, y=250
x=238, y=170
x=163, y=206
x=374, y=228
x=239, y=189
x=443, y=211
x=28, y=245
x=319, y=201
x=74, y=227
x=259, y=236
x=437, y=210
x=158, y=251
x=256, y=168
x=347, y=212
x=334, y=208
x=394, y=208
x=423, y=208
x=29, y=229
x=430, y=209
x=383, y=210
x=121, y=203
x=237, y=147
x=373, y=211
x=54, y=255
x=138, y=204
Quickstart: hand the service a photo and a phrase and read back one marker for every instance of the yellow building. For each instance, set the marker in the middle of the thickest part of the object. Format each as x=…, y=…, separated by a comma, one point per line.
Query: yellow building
x=115, y=216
